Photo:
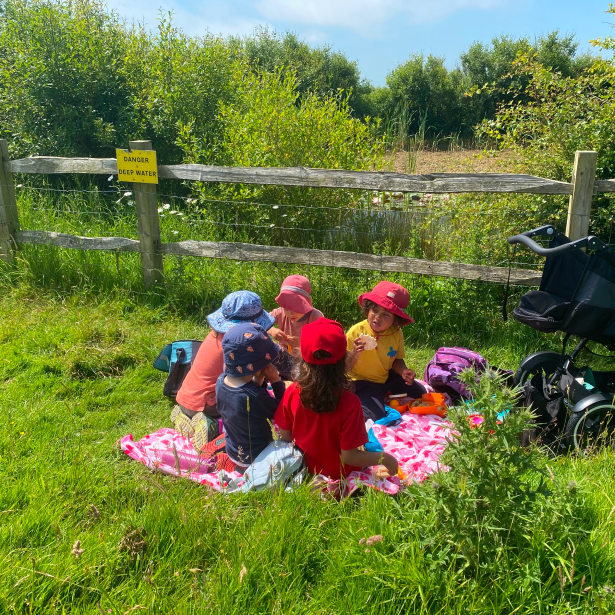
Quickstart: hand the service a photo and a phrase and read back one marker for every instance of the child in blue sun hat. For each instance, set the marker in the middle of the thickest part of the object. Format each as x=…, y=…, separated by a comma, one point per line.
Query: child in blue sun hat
x=240, y=306
x=246, y=407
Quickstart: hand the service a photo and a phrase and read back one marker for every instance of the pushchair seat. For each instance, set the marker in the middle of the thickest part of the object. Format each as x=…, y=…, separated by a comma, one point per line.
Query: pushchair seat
x=577, y=290
x=542, y=311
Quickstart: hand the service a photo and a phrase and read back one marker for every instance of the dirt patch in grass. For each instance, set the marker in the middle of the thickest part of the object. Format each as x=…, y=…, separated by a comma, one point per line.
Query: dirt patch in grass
x=468, y=161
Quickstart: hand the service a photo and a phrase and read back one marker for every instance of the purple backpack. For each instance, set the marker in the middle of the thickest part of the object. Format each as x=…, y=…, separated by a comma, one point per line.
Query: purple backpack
x=441, y=372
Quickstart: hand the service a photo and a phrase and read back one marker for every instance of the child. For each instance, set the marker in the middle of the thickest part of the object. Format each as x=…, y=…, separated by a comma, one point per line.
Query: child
x=320, y=415
x=381, y=370
x=295, y=311
x=246, y=407
x=196, y=398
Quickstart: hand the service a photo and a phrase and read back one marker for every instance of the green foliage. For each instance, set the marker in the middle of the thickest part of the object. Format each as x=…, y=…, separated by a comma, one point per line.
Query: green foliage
x=494, y=492
x=266, y=128
x=424, y=87
x=489, y=76
x=179, y=84
x=62, y=76
x=316, y=69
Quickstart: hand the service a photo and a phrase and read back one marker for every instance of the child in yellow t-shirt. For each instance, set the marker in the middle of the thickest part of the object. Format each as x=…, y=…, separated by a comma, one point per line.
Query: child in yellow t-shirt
x=381, y=370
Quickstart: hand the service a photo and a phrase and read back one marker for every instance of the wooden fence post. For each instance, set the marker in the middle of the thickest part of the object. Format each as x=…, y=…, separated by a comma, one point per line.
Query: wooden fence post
x=583, y=179
x=149, y=227
x=9, y=220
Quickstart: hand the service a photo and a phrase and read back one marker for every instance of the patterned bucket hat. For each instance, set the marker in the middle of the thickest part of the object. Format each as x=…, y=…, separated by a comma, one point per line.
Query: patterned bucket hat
x=247, y=349
x=240, y=306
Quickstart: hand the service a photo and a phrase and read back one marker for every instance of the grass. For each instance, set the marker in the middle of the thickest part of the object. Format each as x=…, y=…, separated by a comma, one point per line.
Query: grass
x=76, y=376
x=78, y=335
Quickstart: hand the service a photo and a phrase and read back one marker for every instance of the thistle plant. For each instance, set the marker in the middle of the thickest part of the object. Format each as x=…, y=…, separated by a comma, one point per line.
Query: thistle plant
x=487, y=497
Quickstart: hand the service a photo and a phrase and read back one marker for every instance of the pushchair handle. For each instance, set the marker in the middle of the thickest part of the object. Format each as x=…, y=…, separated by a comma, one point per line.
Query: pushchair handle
x=591, y=243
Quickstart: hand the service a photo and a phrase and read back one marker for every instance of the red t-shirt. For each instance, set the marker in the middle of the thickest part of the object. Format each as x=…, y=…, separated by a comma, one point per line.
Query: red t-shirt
x=323, y=436
x=199, y=386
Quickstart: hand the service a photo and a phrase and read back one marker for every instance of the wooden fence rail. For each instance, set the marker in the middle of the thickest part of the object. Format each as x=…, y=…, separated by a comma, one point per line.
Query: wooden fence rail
x=581, y=190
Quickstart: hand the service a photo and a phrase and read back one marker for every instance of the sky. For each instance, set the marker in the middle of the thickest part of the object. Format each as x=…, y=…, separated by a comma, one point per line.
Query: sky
x=380, y=34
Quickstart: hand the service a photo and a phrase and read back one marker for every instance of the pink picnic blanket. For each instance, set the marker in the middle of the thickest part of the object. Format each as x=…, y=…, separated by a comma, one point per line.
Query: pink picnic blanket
x=416, y=443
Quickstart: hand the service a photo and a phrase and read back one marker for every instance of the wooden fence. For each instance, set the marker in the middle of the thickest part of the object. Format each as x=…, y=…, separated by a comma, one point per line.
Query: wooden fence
x=149, y=245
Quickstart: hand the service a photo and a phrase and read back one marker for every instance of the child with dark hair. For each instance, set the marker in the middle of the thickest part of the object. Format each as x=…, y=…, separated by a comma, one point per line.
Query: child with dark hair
x=318, y=412
x=295, y=311
x=381, y=369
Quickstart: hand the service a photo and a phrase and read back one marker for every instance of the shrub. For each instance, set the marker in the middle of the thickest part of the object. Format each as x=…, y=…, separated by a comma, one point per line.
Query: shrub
x=64, y=88
x=496, y=498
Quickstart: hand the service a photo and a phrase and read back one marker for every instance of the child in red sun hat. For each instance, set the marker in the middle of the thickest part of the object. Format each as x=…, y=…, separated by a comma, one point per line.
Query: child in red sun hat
x=295, y=311
x=382, y=369
x=320, y=415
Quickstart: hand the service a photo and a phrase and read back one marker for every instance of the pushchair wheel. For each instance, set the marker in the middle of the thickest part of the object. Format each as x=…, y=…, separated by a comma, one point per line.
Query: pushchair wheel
x=591, y=426
x=545, y=362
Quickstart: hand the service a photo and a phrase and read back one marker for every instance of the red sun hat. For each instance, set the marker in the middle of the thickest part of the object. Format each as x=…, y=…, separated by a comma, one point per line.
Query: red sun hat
x=391, y=297
x=323, y=334
x=296, y=294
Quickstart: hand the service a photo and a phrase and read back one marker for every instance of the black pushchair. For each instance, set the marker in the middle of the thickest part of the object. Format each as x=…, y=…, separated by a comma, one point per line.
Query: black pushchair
x=576, y=297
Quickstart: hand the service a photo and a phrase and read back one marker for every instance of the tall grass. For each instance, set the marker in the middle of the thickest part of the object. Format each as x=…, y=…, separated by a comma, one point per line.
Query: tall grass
x=78, y=334
x=76, y=376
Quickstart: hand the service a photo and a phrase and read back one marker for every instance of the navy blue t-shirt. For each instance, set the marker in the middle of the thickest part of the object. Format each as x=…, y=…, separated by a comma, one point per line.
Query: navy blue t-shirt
x=247, y=433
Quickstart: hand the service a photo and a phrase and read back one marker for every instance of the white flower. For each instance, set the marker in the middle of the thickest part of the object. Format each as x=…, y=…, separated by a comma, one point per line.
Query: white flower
x=284, y=215
x=271, y=225
x=109, y=178
x=127, y=193
x=179, y=213
x=160, y=210
x=175, y=232
x=162, y=215
x=166, y=206
x=130, y=202
x=173, y=211
x=19, y=185
x=276, y=206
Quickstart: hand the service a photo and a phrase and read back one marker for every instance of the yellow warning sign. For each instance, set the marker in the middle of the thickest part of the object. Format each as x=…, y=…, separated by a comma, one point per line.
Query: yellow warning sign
x=137, y=166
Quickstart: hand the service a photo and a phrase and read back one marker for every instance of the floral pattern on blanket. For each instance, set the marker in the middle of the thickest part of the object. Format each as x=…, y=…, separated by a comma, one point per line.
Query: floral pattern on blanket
x=416, y=443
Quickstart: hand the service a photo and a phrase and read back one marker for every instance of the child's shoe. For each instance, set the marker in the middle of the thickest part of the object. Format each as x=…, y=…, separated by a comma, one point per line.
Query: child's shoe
x=181, y=423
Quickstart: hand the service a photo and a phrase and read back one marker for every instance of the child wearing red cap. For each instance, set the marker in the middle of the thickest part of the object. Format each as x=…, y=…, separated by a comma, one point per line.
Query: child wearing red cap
x=382, y=369
x=295, y=311
x=320, y=415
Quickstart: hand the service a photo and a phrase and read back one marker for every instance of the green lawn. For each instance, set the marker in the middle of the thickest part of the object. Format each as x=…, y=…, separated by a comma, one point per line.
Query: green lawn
x=76, y=375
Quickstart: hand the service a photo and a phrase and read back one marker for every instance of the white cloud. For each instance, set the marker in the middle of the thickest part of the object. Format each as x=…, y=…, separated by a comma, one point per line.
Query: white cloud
x=366, y=17
x=219, y=19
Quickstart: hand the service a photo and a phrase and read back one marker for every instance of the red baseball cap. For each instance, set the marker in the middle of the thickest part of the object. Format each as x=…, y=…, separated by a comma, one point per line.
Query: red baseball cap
x=390, y=296
x=296, y=294
x=323, y=334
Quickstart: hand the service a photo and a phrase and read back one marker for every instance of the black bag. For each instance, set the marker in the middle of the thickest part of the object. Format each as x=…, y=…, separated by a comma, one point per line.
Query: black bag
x=550, y=410
x=177, y=359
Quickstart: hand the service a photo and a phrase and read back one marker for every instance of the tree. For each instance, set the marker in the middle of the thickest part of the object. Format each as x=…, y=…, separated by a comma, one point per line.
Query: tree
x=316, y=69
x=427, y=92
x=488, y=69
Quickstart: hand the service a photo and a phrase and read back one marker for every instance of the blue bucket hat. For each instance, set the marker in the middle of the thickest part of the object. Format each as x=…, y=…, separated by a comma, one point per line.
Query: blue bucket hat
x=247, y=349
x=240, y=306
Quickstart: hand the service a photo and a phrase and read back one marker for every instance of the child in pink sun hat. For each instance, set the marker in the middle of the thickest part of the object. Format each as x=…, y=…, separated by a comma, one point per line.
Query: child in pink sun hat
x=295, y=311
x=381, y=369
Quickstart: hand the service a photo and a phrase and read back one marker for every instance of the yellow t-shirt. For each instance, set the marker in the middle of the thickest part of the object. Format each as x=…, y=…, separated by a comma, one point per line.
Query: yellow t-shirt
x=374, y=365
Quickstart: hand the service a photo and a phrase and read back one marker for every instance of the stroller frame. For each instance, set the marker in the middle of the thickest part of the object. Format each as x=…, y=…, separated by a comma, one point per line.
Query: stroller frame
x=576, y=307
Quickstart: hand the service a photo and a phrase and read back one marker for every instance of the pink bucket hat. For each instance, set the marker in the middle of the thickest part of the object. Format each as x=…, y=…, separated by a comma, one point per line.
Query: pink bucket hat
x=391, y=297
x=296, y=294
